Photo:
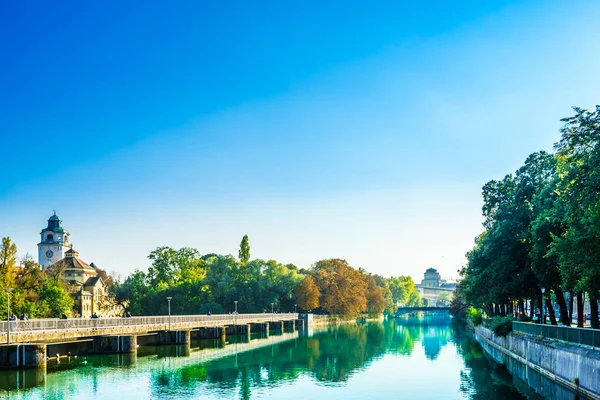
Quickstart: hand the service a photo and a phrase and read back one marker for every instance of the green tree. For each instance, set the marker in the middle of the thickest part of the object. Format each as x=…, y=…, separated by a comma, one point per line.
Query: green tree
x=55, y=299
x=578, y=248
x=244, y=253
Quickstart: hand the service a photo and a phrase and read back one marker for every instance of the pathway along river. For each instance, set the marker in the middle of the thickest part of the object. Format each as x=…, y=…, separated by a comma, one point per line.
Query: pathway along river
x=390, y=360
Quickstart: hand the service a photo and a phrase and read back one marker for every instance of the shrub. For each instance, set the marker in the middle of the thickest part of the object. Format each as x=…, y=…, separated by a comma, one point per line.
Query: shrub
x=475, y=315
x=501, y=326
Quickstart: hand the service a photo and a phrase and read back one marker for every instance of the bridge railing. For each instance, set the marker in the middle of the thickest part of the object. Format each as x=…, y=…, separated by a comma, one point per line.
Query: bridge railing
x=150, y=321
x=585, y=336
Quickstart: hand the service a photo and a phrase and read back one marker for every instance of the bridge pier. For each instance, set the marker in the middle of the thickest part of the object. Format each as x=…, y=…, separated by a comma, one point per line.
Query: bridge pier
x=261, y=327
x=276, y=326
x=289, y=325
x=115, y=344
x=22, y=356
x=173, y=337
x=213, y=332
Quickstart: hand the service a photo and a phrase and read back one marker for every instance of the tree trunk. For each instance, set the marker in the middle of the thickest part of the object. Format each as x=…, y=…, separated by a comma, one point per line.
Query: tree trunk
x=550, y=309
x=580, y=310
x=531, y=309
x=562, y=306
x=503, y=310
x=540, y=299
x=571, y=297
x=521, y=307
x=594, y=311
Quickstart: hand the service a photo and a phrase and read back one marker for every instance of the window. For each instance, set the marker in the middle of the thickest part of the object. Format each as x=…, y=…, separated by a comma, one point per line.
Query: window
x=49, y=238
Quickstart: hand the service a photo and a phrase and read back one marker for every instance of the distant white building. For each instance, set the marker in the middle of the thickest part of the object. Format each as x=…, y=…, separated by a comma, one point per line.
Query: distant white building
x=432, y=285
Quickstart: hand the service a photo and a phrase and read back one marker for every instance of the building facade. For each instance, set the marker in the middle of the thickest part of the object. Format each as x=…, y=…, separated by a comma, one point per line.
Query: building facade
x=54, y=242
x=432, y=286
x=83, y=281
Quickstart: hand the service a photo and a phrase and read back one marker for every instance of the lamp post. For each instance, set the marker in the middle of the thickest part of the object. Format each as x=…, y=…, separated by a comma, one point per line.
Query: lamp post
x=295, y=308
x=272, y=312
x=542, y=306
x=8, y=290
x=235, y=312
x=169, y=302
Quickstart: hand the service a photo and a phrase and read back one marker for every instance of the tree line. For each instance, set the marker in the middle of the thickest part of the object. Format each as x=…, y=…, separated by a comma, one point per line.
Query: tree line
x=202, y=283
x=213, y=282
x=541, y=238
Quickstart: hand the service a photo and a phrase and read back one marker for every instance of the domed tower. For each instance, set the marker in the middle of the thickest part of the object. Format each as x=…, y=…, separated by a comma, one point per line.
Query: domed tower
x=54, y=242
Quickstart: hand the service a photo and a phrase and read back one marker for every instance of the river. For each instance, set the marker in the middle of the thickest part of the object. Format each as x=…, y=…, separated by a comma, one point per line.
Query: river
x=389, y=360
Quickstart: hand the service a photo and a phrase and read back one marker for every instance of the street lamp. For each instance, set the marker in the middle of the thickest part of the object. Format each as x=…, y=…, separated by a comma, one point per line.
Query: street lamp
x=542, y=306
x=295, y=308
x=169, y=301
x=235, y=312
x=8, y=290
x=272, y=312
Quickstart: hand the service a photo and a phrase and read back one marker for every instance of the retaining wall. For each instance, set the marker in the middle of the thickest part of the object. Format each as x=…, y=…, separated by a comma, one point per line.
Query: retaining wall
x=543, y=363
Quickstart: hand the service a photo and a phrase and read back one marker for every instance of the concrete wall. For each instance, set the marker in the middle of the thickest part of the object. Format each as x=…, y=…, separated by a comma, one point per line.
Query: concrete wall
x=543, y=363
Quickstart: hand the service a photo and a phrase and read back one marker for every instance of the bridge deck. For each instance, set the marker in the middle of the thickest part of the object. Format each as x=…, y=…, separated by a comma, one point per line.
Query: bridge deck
x=52, y=330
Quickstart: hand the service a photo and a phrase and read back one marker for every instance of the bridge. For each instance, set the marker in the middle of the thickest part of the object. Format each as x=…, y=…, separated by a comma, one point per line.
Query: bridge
x=27, y=341
x=423, y=316
x=410, y=310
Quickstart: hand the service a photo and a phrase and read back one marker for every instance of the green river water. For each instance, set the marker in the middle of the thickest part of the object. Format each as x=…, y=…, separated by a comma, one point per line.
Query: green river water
x=386, y=360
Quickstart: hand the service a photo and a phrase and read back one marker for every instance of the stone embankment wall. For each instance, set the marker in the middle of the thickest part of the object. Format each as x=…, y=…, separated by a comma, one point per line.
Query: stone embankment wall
x=553, y=369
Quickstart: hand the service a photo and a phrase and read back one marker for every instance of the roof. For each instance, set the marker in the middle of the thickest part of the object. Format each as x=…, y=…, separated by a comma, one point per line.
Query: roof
x=431, y=270
x=54, y=225
x=71, y=251
x=72, y=263
x=92, y=281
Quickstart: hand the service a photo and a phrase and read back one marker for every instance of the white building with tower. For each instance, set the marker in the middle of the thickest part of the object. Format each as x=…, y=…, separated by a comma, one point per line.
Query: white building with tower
x=87, y=284
x=54, y=243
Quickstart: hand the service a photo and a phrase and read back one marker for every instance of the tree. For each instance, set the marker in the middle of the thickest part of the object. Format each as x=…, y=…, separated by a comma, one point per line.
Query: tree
x=443, y=300
x=244, y=253
x=342, y=288
x=404, y=291
x=307, y=294
x=56, y=299
x=375, y=300
x=578, y=248
x=8, y=259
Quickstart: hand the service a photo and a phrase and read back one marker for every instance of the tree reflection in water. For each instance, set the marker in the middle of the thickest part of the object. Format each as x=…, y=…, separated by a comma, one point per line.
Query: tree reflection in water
x=329, y=357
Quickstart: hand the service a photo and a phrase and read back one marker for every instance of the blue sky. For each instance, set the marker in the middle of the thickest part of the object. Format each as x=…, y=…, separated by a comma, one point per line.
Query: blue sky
x=348, y=129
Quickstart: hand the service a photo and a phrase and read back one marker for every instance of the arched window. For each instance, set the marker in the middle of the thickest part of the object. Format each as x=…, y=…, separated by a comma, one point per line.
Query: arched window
x=49, y=238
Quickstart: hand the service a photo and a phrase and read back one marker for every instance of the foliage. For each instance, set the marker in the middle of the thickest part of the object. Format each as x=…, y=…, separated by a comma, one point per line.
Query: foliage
x=244, y=253
x=404, y=292
x=501, y=326
x=444, y=299
x=343, y=289
x=375, y=301
x=307, y=294
x=475, y=315
x=458, y=306
x=542, y=229
x=32, y=291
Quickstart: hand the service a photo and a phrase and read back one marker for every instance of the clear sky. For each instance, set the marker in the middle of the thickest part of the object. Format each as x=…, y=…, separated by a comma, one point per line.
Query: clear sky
x=358, y=130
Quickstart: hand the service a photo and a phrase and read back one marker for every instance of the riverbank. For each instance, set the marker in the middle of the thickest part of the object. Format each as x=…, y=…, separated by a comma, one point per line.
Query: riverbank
x=543, y=363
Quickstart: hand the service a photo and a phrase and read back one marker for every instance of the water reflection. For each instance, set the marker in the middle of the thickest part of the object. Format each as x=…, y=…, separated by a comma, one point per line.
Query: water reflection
x=325, y=360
